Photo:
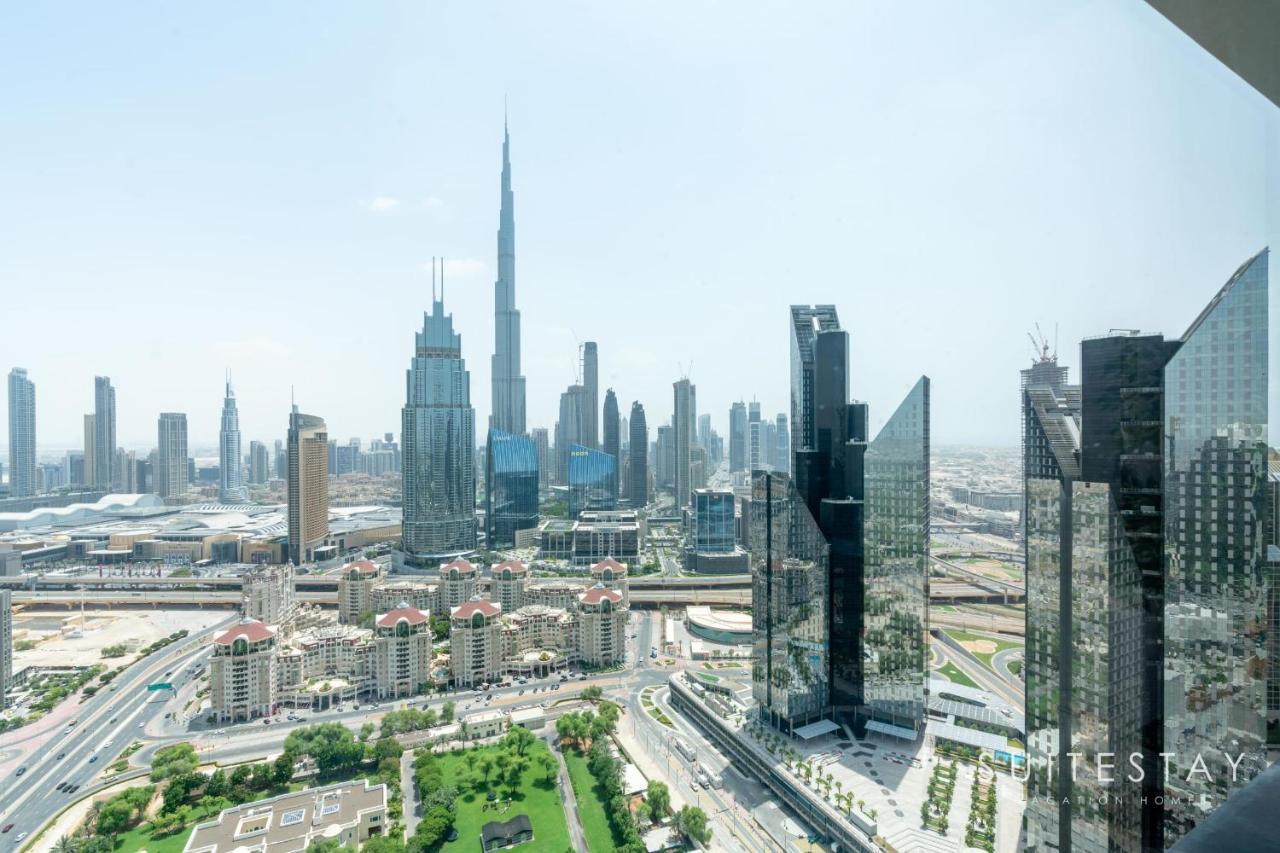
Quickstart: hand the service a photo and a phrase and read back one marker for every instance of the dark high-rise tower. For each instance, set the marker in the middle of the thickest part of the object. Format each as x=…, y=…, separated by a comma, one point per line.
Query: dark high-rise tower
x=508, y=383
x=638, y=458
x=840, y=551
x=591, y=382
x=612, y=438
x=1147, y=574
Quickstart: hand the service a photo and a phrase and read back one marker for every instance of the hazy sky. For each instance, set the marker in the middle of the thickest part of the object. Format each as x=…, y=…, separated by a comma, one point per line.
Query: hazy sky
x=188, y=188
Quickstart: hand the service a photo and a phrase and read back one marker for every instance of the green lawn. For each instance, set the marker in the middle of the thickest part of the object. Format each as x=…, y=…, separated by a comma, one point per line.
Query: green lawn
x=590, y=803
x=952, y=672
x=140, y=838
x=536, y=797
x=985, y=657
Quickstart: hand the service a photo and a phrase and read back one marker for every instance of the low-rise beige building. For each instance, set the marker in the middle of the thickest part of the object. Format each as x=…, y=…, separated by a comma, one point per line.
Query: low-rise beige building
x=349, y=813
x=416, y=593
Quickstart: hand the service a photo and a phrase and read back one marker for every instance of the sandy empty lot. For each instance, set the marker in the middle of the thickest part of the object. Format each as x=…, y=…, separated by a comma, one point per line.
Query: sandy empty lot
x=57, y=643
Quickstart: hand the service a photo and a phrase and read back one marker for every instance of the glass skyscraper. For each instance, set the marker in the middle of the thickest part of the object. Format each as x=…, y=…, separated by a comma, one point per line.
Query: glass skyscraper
x=868, y=503
x=593, y=476
x=1220, y=605
x=1148, y=579
x=713, y=521
x=511, y=487
x=790, y=667
x=22, y=434
x=438, y=432
x=638, y=457
x=230, y=462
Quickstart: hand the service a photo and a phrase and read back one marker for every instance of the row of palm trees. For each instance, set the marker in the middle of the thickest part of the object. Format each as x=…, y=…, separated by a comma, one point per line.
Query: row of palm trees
x=807, y=769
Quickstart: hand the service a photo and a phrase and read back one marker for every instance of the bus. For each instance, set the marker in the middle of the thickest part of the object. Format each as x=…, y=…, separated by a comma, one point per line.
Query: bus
x=685, y=750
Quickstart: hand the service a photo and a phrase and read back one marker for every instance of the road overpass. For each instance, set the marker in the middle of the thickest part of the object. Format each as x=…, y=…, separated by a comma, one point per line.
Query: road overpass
x=56, y=599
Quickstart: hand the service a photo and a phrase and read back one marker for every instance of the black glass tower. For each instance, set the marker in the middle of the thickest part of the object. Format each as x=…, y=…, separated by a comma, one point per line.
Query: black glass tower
x=868, y=501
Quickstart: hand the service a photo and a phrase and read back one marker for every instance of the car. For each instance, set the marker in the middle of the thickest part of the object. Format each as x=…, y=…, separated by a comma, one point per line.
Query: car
x=106, y=743
x=61, y=785
x=7, y=827
x=220, y=732
x=73, y=789
x=112, y=720
x=61, y=755
x=266, y=721
x=141, y=723
x=18, y=840
x=21, y=770
x=93, y=758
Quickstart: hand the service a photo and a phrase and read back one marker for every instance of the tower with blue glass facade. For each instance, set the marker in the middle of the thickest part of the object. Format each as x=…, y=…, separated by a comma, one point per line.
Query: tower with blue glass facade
x=511, y=487
x=438, y=457
x=593, y=477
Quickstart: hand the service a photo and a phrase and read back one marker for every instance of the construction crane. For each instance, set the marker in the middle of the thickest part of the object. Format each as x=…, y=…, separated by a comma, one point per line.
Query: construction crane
x=1041, y=345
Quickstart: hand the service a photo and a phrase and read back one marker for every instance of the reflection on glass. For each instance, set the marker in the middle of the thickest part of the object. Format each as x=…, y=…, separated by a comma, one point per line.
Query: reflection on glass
x=896, y=549
x=1217, y=612
x=511, y=487
x=593, y=477
x=789, y=604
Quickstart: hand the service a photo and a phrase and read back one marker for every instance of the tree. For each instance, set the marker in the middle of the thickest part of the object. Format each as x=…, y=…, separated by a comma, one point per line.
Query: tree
x=327, y=845
x=548, y=766
x=283, y=768
x=217, y=784
x=485, y=764
x=592, y=693
x=383, y=844
x=691, y=822
x=173, y=761
x=658, y=796
x=446, y=711
x=387, y=747
x=519, y=739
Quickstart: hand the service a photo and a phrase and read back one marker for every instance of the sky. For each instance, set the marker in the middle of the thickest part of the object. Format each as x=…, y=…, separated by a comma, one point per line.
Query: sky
x=187, y=189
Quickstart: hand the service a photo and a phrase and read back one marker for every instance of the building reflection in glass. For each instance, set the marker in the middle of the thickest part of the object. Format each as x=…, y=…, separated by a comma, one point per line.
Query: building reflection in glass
x=511, y=487
x=896, y=564
x=1219, y=593
x=593, y=477
x=789, y=605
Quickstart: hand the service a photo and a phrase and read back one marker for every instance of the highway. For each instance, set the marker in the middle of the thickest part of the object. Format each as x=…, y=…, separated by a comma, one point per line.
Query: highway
x=722, y=597
x=106, y=724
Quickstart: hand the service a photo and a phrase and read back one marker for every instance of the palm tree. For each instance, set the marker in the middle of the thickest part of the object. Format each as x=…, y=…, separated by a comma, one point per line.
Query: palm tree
x=64, y=845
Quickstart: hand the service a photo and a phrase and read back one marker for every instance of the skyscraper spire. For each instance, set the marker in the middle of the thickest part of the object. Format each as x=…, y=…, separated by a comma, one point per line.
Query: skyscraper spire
x=508, y=383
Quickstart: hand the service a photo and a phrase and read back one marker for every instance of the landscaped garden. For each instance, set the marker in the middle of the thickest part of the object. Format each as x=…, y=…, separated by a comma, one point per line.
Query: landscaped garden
x=981, y=646
x=498, y=782
x=980, y=832
x=952, y=672
x=942, y=786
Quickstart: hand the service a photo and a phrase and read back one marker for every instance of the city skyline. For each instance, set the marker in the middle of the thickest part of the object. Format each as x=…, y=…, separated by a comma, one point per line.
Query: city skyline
x=363, y=235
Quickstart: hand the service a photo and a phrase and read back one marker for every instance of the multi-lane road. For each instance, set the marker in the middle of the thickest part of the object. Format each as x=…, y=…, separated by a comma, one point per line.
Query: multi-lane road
x=105, y=725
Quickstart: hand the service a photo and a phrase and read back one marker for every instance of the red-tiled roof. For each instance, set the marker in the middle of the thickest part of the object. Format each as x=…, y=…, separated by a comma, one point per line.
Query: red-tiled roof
x=514, y=565
x=597, y=594
x=391, y=618
x=609, y=563
x=251, y=630
x=366, y=567
x=459, y=564
x=470, y=608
